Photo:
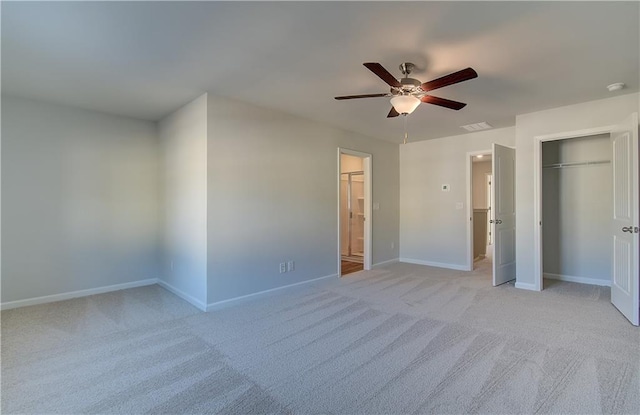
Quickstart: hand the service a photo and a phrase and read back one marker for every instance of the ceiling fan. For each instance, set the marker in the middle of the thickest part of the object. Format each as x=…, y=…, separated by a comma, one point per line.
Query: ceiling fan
x=408, y=93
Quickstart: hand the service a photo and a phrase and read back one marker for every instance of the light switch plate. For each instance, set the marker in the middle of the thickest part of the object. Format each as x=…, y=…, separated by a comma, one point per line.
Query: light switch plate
x=376, y=205
x=459, y=205
x=445, y=187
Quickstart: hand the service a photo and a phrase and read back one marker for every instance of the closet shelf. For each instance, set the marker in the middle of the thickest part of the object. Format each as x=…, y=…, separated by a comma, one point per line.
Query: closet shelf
x=575, y=164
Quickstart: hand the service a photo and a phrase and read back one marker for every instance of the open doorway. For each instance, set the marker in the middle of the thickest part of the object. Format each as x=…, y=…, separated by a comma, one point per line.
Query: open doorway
x=491, y=220
x=480, y=198
x=586, y=200
x=354, y=211
x=577, y=205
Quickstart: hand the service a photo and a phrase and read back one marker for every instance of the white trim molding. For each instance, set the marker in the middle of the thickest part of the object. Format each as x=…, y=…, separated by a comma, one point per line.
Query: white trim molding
x=526, y=286
x=457, y=267
x=186, y=297
x=537, y=188
x=218, y=305
x=581, y=280
x=75, y=294
x=383, y=263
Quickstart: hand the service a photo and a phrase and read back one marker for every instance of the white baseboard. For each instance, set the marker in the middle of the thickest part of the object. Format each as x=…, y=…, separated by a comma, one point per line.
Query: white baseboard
x=526, y=286
x=383, y=263
x=75, y=294
x=238, y=300
x=581, y=280
x=435, y=264
x=188, y=298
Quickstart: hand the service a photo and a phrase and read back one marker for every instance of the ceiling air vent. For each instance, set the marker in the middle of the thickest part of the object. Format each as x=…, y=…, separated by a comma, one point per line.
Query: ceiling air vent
x=477, y=126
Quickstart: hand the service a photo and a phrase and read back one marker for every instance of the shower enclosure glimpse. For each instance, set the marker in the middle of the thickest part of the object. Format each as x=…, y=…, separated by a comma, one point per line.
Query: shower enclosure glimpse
x=352, y=215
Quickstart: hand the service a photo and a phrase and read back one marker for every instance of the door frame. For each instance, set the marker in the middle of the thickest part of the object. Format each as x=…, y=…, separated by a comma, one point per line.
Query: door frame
x=470, y=156
x=537, y=186
x=368, y=228
x=489, y=187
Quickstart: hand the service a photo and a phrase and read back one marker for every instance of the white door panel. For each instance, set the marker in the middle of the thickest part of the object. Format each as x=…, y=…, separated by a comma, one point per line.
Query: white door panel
x=503, y=214
x=625, y=270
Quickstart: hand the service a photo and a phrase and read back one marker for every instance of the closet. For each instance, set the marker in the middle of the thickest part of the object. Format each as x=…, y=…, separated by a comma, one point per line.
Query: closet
x=577, y=209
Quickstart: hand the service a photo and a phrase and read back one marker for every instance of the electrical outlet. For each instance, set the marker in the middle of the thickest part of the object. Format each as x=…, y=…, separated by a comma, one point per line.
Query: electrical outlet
x=393, y=244
x=291, y=265
x=283, y=267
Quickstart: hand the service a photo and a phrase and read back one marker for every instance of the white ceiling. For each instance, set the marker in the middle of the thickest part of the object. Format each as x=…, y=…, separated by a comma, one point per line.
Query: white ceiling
x=145, y=59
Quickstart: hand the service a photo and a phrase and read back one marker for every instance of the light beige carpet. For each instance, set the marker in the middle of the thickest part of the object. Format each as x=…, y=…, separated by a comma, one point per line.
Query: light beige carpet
x=401, y=339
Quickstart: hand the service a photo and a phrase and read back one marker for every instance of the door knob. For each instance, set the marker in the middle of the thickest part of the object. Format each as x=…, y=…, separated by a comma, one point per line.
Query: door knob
x=627, y=229
x=498, y=221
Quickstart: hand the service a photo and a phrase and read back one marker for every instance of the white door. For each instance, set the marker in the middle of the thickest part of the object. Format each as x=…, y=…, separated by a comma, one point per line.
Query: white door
x=624, y=275
x=503, y=214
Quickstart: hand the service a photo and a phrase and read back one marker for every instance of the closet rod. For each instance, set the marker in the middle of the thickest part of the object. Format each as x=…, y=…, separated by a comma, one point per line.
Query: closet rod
x=355, y=173
x=575, y=164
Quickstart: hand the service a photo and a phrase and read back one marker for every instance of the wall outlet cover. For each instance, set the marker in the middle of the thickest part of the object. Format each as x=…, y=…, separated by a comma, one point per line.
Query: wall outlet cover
x=283, y=267
x=291, y=266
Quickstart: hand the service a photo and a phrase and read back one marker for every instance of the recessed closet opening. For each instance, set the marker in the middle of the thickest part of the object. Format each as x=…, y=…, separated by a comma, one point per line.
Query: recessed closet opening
x=577, y=207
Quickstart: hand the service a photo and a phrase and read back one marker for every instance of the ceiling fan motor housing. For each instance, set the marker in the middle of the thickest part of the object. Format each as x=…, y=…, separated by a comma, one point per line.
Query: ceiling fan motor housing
x=409, y=86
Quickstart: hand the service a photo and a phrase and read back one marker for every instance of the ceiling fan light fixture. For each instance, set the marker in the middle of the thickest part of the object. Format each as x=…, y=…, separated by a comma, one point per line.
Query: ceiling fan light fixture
x=405, y=104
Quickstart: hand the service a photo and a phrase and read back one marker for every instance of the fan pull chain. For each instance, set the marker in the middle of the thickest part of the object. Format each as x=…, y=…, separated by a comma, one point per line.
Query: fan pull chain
x=406, y=134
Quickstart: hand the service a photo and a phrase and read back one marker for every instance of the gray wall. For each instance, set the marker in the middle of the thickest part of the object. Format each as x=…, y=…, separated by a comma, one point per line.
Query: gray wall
x=273, y=196
x=570, y=118
x=577, y=209
x=184, y=146
x=432, y=229
x=80, y=200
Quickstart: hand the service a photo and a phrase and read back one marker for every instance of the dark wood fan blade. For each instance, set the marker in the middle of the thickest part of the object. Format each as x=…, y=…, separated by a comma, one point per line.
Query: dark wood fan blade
x=383, y=74
x=447, y=103
x=393, y=113
x=361, y=96
x=452, y=78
